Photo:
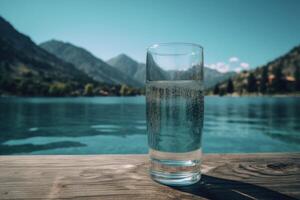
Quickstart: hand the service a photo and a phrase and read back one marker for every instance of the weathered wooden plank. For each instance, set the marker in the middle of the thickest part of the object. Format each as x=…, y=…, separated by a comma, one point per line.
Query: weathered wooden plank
x=226, y=176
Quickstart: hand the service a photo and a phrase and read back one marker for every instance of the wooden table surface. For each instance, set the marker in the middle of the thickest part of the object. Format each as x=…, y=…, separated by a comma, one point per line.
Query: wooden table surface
x=225, y=176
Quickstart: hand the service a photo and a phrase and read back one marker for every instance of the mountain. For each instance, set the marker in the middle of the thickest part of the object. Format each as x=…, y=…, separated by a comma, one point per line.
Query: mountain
x=88, y=63
x=129, y=66
x=137, y=70
x=282, y=75
x=27, y=69
x=213, y=77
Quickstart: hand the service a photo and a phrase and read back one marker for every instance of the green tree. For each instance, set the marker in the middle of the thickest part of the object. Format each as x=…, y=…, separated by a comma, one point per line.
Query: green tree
x=222, y=91
x=278, y=83
x=297, y=78
x=251, y=83
x=217, y=89
x=58, y=89
x=230, y=87
x=116, y=90
x=264, y=80
x=53, y=90
x=88, y=89
x=123, y=90
x=26, y=87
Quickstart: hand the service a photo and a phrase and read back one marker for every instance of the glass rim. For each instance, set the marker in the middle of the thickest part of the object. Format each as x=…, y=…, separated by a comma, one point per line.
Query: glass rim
x=157, y=45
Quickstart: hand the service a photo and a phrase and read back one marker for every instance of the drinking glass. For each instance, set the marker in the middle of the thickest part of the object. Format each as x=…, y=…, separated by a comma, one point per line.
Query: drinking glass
x=174, y=96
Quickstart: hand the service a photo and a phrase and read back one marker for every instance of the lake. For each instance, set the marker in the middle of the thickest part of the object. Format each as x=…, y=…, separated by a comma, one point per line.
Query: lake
x=117, y=125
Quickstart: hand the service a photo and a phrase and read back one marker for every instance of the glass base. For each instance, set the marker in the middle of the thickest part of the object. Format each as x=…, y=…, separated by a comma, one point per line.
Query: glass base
x=175, y=169
x=176, y=179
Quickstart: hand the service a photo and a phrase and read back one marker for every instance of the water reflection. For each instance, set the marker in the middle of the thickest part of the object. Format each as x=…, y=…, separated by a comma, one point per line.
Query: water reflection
x=256, y=123
x=27, y=148
x=23, y=118
x=117, y=125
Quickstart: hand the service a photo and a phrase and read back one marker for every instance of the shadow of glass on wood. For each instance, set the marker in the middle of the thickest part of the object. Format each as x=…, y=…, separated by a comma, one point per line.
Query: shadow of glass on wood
x=217, y=188
x=26, y=148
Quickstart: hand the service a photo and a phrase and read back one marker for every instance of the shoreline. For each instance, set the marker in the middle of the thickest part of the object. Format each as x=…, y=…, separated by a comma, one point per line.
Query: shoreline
x=257, y=95
x=209, y=95
x=12, y=96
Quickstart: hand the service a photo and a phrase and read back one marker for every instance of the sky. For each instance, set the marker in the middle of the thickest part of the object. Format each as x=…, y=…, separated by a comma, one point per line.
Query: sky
x=235, y=34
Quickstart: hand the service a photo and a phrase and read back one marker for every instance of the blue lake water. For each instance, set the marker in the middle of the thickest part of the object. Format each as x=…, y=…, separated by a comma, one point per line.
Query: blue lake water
x=117, y=125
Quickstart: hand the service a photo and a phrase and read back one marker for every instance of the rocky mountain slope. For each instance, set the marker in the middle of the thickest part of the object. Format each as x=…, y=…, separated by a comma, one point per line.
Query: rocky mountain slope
x=27, y=69
x=88, y=63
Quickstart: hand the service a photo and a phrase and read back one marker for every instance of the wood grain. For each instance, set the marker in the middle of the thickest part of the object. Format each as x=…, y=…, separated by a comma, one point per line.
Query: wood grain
x=228, y=176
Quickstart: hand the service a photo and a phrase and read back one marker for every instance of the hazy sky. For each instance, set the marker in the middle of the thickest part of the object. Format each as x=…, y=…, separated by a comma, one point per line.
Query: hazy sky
x=235, y=33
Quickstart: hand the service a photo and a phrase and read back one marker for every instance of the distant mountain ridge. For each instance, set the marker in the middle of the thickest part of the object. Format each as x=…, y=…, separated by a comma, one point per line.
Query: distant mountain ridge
x=137, y=70
x=129, y=66
x=213, y=77
x=27, y=69
x=88, y=63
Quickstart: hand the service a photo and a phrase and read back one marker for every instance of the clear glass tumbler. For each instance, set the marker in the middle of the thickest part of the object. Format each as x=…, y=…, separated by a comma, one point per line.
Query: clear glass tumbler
x=174, y=96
